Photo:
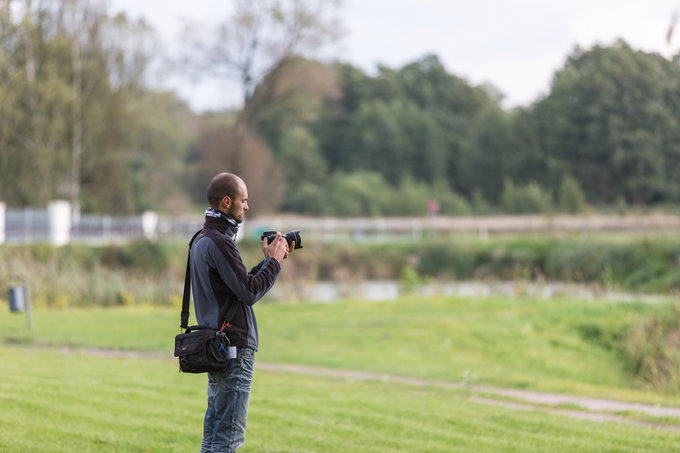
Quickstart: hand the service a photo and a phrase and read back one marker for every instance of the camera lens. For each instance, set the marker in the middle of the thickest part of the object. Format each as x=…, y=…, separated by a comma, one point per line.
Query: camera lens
x=289, y=237
x=294, y=236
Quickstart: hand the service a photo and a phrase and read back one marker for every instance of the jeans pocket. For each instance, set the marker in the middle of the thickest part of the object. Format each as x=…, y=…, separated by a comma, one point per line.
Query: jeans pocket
x=246, y=366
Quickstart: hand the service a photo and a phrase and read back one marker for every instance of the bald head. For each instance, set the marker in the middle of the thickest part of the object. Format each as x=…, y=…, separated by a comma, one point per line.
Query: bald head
x=223, y=185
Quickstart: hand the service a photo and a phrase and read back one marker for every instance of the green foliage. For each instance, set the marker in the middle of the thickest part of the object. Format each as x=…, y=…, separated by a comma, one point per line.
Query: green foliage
x=479, y=204
x=621, y=205
x=526, y=199
x=75, y=120
x=300, y=159
x=451, y=260
x=394, y=138
x=367, y=194
x=361, y=193
x=137, y=255
x=608, y=130
x=325, y=139
x=136, y=273
x=571, y=197
x=489, y=156
x=652, y=350
x=406, y=126
x=143, y=272
x=410, y=280
x=611, y=120
x=608, y=123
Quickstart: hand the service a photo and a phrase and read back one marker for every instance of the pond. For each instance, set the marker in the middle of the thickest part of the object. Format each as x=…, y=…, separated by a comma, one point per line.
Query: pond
x=382, y=290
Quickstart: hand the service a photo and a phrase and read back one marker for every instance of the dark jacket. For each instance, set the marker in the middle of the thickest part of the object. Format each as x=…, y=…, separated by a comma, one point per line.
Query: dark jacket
x=219, y=278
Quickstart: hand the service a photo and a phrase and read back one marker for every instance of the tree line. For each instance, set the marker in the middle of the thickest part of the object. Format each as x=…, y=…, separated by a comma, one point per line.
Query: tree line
x=76, y=118
x=79, y=120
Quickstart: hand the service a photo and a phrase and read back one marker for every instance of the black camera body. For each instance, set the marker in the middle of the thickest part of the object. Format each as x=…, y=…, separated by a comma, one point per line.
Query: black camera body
x=289, y=237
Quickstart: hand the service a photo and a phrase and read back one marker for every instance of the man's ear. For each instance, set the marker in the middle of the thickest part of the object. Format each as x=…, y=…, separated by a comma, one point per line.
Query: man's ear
x=226, y=202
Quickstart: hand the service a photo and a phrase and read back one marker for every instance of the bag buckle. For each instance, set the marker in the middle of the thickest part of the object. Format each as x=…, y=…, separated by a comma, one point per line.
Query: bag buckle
x=222, y=336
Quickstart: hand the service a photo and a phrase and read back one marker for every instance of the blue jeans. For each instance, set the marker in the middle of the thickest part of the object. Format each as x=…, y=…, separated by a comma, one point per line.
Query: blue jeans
x=224, y=427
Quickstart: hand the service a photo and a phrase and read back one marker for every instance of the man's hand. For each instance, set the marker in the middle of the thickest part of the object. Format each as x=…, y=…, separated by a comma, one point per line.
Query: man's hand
x=278, y=249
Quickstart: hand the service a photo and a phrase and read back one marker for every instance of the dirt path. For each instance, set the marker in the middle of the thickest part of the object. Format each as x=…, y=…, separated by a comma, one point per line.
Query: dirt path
x=587, y=408
x=530, y=398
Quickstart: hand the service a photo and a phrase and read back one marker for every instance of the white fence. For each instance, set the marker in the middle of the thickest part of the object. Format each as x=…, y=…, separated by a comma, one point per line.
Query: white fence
x=386, y=229
x=55, y=225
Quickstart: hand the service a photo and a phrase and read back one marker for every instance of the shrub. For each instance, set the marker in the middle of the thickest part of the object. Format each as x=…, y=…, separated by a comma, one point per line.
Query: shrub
x=572, y=199
x=652, y=351
x=361, y=193
x=527, y=199
x=117, y=274
x=479, y=205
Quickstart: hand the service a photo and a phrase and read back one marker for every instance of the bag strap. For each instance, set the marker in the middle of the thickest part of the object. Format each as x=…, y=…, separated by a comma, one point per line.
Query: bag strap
x=184, y=317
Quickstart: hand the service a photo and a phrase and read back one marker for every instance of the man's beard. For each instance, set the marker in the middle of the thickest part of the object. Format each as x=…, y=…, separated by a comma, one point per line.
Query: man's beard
x=232, y=213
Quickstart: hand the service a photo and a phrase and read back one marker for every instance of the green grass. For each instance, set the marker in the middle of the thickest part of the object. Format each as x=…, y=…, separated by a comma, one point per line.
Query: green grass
x=67, y=403
x=553, y=345
x=50, y=401
x=53, y=402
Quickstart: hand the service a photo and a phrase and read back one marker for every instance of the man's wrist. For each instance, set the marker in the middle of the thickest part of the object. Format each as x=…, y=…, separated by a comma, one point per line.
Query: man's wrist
x=273, y=259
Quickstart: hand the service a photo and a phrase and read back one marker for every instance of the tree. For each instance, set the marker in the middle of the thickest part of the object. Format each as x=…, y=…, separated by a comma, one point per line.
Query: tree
x=527, y=199
x=33, y=99
x=376, y=140
x=612, y=120
x=361, y=193
x=292, y=95
x=489, y=156
x=413, y=120
x=260, y=46
x=300, y=159
x=258, y=36
x=223, y=146
x=75, y=116
x=571, y=196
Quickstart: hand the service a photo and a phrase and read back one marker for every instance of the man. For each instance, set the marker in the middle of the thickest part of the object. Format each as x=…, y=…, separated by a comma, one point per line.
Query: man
x=219, y=279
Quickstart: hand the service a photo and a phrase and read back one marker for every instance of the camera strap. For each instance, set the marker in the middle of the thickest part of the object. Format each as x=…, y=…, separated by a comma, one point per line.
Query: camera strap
x=184, y=318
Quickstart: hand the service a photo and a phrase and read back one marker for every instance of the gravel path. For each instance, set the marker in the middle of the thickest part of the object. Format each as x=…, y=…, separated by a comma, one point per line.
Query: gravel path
x=594, y=409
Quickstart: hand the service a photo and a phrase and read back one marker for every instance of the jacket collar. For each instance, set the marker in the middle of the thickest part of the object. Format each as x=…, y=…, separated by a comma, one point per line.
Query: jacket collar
x=218, y=220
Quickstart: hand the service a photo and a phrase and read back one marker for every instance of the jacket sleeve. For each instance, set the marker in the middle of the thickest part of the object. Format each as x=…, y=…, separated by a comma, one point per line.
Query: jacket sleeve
x=248, y=287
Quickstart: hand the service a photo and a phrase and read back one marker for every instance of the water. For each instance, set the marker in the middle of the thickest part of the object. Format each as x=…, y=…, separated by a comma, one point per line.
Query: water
x=384, y=290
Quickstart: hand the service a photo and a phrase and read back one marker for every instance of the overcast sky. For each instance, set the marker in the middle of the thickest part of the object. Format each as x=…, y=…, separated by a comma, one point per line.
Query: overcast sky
x=516, y=45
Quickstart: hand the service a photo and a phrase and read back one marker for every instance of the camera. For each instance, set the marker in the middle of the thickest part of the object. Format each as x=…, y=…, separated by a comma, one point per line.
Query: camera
x=289, y=237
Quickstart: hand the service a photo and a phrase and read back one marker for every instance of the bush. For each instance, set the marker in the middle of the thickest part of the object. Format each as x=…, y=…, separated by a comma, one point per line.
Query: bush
x=409, y=199
x=140, y=254
x=141, y=272
x=368, y=194
x=479, y=204
x=652, y=351
x=81, y=275
x=361, y=193
x=529, y=199
x=572, y=199
x=453, y=261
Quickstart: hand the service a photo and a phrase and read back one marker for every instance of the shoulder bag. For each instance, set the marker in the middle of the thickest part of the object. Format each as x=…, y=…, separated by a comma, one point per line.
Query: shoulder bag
x=201, y=348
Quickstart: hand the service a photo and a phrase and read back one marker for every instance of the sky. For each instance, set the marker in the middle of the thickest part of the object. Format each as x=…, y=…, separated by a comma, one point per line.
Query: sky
x=514, y=45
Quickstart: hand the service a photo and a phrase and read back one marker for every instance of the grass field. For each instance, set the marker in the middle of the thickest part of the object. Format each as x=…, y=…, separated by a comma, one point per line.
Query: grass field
x=54, y=401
